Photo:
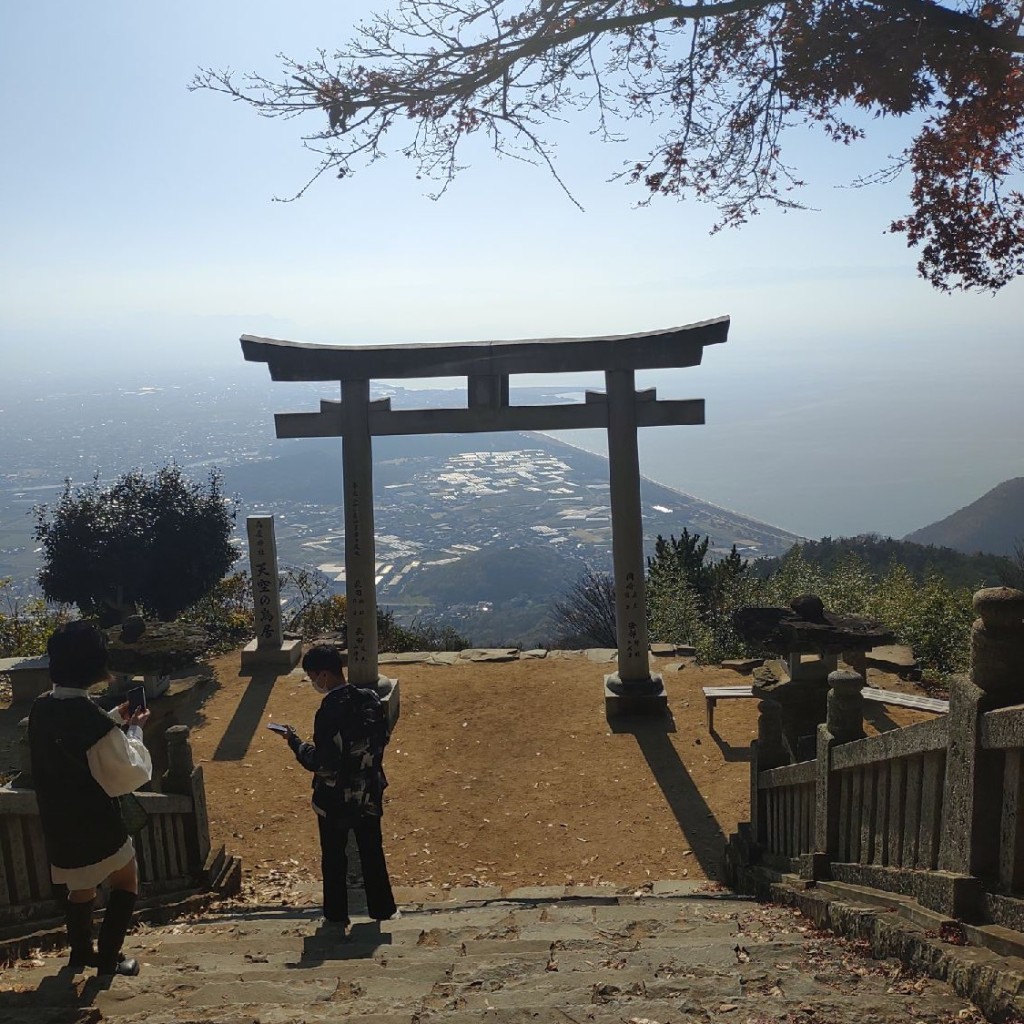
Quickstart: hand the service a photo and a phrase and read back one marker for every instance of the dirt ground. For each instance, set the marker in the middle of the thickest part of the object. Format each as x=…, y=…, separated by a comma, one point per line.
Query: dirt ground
x=505, y=774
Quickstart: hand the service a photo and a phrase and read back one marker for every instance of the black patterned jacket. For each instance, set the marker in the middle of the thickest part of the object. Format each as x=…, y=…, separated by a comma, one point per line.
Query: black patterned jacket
x=346, y=757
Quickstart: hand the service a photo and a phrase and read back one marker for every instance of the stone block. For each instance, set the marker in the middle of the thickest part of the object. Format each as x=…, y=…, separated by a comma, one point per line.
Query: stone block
x=538, y=892
x=390, y=697
x=270, y=656
x=625, y=699
x=404, y=658
x=490, y=654
x=897, y=659
x=29, y=676
x=948, y=893
x=444, y=658
x=676, y=887
x=743, y=665
x=811, y=667
x=815, y=866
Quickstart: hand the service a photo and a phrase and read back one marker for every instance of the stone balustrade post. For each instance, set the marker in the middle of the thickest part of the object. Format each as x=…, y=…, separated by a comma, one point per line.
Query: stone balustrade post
x=974, y=782
x=844, y=723
x=178, y=776
x=767, y=751
x=845, y=706
x=182, y=776
x=771, y=744
x=997, y=645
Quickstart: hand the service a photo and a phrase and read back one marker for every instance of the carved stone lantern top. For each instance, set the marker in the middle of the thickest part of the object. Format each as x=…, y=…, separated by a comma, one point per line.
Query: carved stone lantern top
x=806, y=627
x=154, y=648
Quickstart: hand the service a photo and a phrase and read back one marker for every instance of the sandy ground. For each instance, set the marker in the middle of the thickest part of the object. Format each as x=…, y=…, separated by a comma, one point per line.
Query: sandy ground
x=507, y=774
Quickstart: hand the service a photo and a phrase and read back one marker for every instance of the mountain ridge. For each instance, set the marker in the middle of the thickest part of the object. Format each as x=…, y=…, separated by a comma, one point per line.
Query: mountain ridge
x=994, y=523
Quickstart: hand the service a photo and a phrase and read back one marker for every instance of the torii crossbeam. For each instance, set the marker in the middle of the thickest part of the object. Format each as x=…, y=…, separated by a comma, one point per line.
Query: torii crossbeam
x=487, y=366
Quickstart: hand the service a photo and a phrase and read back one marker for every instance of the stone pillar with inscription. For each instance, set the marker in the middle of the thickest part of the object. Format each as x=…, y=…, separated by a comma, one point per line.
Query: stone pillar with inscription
x=632, y=688
x=269, y=649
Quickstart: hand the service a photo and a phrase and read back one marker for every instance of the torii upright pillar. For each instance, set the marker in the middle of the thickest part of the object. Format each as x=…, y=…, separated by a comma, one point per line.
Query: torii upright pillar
x=487, y=367
x=627, y=545
x=360, y=541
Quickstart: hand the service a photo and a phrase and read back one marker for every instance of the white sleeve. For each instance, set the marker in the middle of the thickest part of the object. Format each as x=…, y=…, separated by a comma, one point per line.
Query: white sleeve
x=120, y=762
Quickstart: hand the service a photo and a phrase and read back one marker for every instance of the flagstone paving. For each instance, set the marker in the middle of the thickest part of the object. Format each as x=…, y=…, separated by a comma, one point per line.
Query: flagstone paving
x=586, y=956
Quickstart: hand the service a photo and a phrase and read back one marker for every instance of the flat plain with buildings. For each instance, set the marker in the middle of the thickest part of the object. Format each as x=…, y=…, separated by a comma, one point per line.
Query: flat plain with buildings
x=478, y=529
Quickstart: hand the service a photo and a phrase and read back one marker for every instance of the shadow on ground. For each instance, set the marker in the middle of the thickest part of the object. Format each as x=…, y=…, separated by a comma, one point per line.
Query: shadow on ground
x=695, y=818
x=234, y=744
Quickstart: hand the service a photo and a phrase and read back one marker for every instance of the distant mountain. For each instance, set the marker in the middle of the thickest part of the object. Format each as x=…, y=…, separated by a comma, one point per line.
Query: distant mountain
x=994, y=523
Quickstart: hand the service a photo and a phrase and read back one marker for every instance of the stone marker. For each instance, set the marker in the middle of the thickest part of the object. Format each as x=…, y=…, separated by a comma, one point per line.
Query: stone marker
x=269, y=648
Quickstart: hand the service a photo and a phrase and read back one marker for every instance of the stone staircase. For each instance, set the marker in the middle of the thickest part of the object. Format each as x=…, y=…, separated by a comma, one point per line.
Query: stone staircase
x=674, y=954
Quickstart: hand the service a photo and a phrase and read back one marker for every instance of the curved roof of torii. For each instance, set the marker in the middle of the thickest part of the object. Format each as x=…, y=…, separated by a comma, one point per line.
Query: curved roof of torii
x=671, y=347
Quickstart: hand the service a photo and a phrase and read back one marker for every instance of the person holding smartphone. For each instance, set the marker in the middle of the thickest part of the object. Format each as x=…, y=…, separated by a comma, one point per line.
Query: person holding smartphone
x=83, y=759
x=346, y=758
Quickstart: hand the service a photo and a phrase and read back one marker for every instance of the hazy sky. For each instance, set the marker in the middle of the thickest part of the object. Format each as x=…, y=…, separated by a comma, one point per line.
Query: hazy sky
x=139, y=231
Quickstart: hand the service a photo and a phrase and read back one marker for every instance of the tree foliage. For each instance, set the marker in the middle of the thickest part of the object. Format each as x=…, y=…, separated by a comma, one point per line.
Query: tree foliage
x=690, y=597
x=585, y=615
x=878, y=553
x=932, y=616
x=152, y=544
x=724, y=82
x=227, y=614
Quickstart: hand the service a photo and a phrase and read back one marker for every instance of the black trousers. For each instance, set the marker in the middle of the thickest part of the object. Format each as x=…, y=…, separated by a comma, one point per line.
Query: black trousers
x=380, y=902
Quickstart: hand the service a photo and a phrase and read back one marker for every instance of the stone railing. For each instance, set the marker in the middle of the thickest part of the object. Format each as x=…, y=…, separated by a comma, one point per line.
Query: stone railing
x=173, y=849
x=934, y=811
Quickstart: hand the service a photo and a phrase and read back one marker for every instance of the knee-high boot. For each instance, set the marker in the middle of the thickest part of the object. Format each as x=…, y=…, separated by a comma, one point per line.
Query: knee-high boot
x=78, y=921
x=116, y=921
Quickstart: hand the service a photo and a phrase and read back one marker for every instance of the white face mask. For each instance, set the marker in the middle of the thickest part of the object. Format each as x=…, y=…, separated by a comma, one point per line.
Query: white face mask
x=320, y=688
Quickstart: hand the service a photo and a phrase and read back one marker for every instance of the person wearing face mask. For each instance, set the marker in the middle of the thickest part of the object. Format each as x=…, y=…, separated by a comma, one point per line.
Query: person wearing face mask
x=346, y=757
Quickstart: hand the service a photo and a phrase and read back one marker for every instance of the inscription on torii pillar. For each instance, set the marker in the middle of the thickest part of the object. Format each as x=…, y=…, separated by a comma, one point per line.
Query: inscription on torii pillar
x=487, y=367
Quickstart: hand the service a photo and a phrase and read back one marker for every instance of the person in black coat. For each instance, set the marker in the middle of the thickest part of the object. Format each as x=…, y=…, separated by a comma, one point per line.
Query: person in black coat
x=346, y=758
x=83, y=759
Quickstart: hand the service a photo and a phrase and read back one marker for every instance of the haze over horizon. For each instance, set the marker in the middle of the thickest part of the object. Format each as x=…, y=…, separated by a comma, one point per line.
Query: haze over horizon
x=142, y=240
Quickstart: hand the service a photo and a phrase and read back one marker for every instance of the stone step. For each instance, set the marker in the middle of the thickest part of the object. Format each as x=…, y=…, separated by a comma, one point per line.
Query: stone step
x=656, y=959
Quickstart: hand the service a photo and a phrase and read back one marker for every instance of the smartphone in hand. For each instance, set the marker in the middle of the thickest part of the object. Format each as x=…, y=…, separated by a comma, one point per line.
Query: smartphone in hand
x=277, y=727
x=136, y=700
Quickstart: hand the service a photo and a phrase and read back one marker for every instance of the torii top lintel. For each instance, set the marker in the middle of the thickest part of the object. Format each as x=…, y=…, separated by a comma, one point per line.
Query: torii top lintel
x=672, y=347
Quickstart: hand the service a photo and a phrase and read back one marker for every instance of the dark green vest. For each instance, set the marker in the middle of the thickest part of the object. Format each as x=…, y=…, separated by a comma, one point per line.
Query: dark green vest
x=81, y=824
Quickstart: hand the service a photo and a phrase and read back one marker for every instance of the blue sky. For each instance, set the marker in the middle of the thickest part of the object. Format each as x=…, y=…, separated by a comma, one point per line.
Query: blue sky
x=137, y=221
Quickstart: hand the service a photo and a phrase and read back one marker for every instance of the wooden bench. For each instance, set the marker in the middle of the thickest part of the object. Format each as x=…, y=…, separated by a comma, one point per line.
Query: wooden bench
x=713, y=694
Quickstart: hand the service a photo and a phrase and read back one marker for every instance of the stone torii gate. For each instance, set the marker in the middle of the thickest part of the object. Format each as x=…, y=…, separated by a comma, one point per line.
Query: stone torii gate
x=487, y=365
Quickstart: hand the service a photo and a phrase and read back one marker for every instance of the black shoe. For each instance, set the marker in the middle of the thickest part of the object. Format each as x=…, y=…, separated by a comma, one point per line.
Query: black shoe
x=124, y=965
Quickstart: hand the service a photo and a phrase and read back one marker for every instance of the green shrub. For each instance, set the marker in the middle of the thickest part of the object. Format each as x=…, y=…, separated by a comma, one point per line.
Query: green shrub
x=26, y=623
x=932, y=617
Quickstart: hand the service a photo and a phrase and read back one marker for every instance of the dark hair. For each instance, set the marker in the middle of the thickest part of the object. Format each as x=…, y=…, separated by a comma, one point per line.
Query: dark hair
x=78, y=654
x=323, y=658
